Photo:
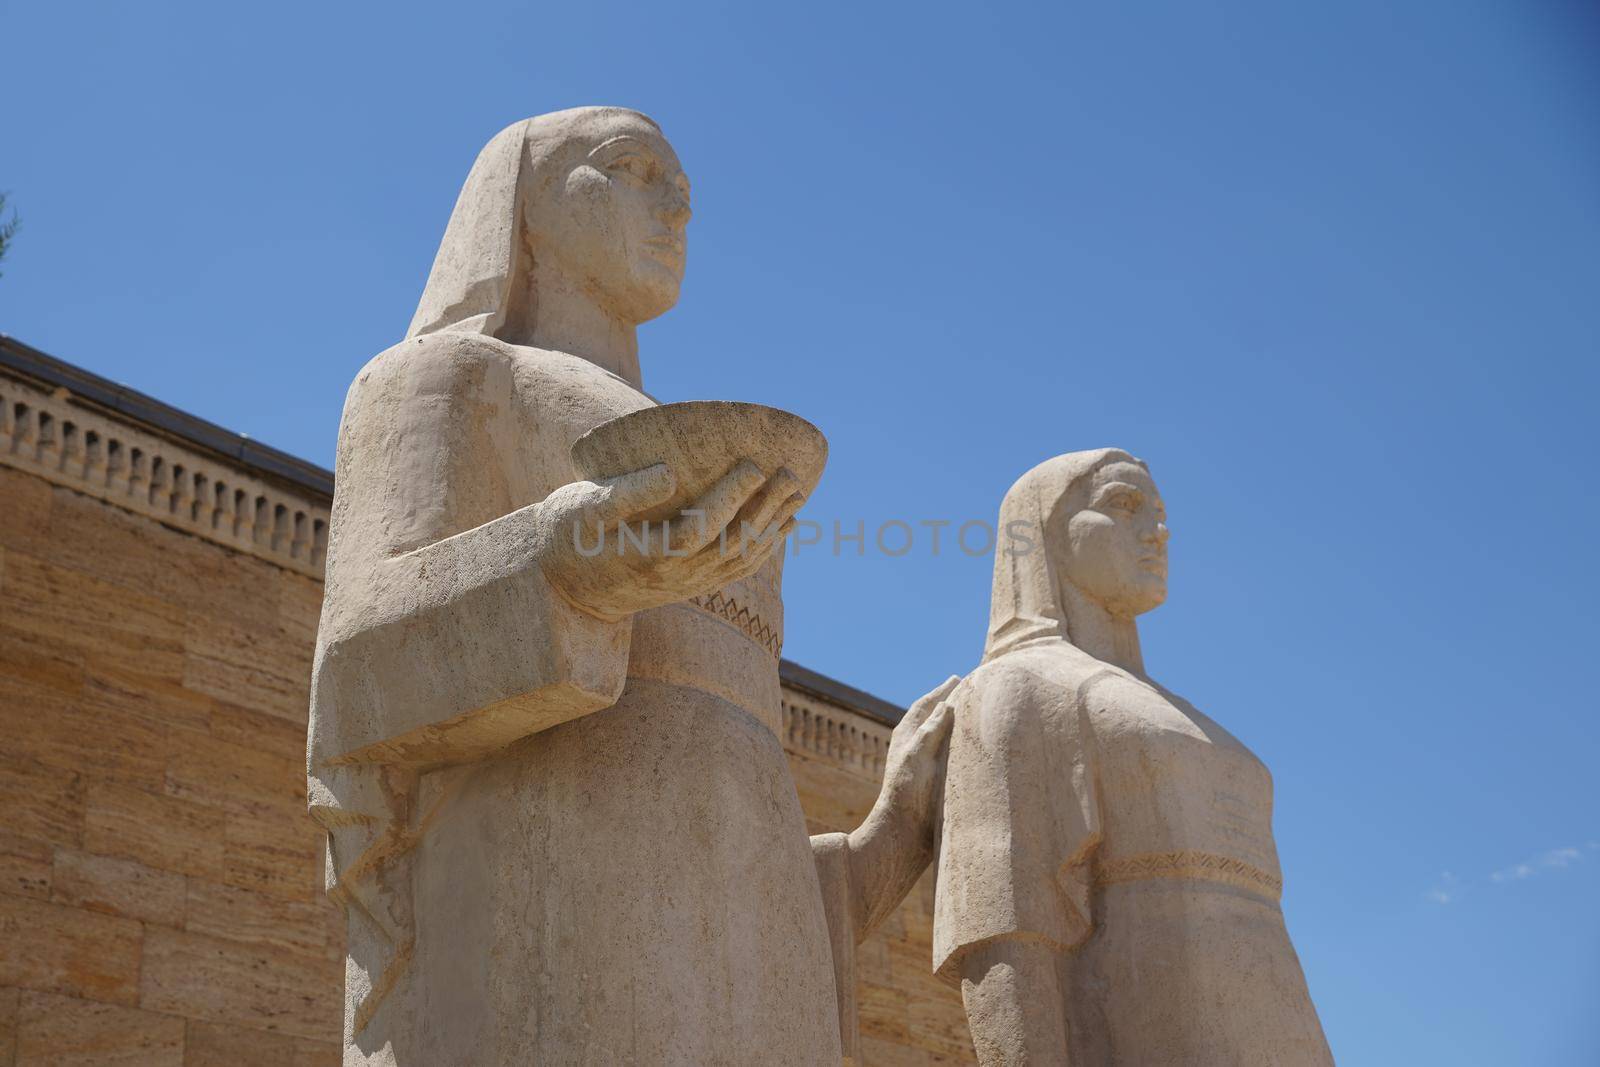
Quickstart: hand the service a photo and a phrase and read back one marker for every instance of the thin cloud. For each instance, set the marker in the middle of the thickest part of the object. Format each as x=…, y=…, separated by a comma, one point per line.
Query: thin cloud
x=1554, y=860
x=1449, y=889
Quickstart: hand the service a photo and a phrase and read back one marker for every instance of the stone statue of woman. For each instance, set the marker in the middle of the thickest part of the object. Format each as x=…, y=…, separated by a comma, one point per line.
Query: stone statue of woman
x=1108, y=887
x=559, y=817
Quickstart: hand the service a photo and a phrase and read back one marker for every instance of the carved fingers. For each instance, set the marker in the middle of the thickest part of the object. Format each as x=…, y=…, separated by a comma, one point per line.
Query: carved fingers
x=617, y=563
x=931, y=711
x=712, y=513
x=627, y=495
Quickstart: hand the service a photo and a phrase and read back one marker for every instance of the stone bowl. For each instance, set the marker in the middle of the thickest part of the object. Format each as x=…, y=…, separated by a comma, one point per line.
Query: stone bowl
x=701, y=440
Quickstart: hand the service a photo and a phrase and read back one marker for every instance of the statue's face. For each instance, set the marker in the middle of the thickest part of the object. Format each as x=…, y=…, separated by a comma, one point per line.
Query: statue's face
x=1115, y=545
x=615, y=224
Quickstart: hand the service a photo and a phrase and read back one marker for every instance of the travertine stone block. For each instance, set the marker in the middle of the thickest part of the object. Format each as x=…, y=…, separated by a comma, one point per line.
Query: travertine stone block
x=258, y=668
x=58, y=1031
x=8, y=1026
x=105, y=623
x=159, y=831
x=36, y=660
x=24, y=866
x=69, y=951
x=159, y=702
x=226, y=1045
x=270, y=853
x=311, y=928
x=224, y=776
x=117, y=887
x=41, y=803
x=67, y=734
x=260, y=732
x=252, y=985
x=25, y=520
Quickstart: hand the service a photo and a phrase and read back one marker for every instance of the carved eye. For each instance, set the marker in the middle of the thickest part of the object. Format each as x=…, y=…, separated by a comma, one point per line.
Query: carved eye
x=1125, y=502
x=636, y=167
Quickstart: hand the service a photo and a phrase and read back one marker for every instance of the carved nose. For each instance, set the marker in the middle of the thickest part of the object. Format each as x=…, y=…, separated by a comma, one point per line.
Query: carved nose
x=674, y=210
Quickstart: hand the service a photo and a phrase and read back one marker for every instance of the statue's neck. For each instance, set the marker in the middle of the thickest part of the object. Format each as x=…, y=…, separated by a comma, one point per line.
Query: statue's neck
x=565, y=318
x=1108, y=638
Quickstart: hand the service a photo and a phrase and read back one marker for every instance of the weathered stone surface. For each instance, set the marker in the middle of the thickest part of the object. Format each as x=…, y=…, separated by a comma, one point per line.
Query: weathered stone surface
x=104, y=623
x=222, y=1045
x=261, y=732
x=58, y=1031
x=65, y=950
x=159, y=831
x=258, y=668
x=25, y=520
x=312, y=928
x=8, y=1026
x=68, y=734
x=117, y=887
x=251, y=985
x=273, y=853
x=40, y=802
x=24, y=866
x=35, y=660
x=130, y=551
x=160, y=702
x=220, y=775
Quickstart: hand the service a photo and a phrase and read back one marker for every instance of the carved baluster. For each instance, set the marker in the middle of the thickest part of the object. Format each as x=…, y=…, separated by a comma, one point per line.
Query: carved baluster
x=94, y=459
x=117, y=468
x=138, y=475
x=298, y=541
x=71, y=449
x=48, y=454
x=160, y=495
x=183, y=493
x=280, y=529
x=261, y=533
x=244, y=515
x=203, y=509
x=26, y=432
x=222, y=508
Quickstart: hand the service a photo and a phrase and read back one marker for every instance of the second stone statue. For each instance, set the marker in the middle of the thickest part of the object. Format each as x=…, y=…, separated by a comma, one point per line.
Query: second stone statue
x=559, y=820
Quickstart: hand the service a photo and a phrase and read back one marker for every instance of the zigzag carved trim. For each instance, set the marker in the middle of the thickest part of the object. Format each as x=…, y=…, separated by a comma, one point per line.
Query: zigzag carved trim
x=1189, y=863
x=746, y=621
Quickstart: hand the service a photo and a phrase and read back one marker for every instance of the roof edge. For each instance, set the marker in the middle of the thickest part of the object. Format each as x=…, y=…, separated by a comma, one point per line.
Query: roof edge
x=189, y=429
x=836, y=692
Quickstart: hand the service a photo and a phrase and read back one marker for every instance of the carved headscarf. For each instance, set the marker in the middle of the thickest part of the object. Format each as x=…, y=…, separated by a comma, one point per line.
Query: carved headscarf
x=1025, y=604
x=479, y=282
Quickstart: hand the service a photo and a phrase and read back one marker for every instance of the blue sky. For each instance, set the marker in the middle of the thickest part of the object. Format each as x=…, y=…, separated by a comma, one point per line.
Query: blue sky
x=1331, y=269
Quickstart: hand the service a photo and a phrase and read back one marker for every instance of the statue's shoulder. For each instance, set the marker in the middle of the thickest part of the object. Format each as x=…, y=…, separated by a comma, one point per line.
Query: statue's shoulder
x=434, y=362
x=1043, y=672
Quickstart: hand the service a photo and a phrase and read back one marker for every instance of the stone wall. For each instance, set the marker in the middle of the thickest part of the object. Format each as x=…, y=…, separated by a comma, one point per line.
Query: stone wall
x=160, y=882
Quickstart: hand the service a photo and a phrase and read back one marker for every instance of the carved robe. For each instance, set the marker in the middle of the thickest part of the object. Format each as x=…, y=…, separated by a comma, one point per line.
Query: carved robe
x=1092, y=811
x=560, y=840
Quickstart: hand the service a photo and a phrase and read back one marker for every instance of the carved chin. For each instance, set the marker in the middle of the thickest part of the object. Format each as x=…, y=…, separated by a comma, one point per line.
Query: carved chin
x=655, y=291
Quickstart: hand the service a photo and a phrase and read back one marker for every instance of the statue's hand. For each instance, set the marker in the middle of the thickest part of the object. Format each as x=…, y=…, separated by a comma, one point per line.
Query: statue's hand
x=914, y=768
x=591, y=560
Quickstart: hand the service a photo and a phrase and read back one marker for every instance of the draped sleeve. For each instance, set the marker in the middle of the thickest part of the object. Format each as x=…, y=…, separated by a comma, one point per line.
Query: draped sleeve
x=440, y=639
x=1021, y=815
